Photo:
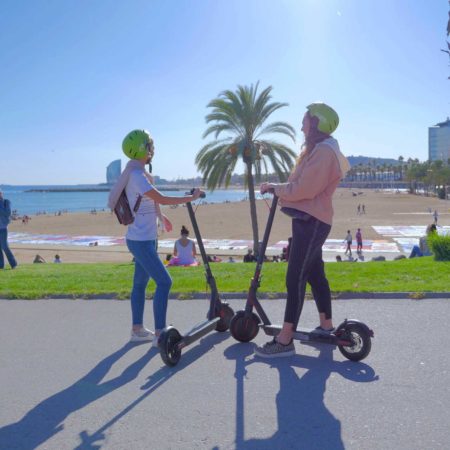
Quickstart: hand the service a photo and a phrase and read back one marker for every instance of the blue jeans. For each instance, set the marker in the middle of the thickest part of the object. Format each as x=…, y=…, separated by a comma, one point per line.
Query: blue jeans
x=415, y=252
x=5, y=248
x=148, y=265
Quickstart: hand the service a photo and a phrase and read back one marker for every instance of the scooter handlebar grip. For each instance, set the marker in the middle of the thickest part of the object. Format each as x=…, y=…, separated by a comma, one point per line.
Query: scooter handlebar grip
x=191, y=192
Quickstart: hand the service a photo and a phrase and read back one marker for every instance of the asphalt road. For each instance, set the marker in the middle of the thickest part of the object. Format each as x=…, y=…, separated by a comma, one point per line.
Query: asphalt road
x=70, y=380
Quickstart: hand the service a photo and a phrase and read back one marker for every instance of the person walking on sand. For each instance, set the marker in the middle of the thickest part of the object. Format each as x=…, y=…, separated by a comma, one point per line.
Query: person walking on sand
x=435, y=216
x=5, y=218
x=348, y=240
x=307, y=199
x=359, y=241
x=142, y=234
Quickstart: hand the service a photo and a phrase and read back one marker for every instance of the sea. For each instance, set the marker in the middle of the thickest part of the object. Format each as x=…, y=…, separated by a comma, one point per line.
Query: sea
x=38, y=199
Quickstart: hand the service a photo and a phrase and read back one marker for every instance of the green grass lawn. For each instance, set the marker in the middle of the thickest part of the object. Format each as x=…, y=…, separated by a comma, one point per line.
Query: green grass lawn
x=81, y=280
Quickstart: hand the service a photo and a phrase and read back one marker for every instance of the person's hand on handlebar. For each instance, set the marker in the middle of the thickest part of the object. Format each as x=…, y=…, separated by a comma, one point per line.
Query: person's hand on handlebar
x=267, y=188
x=197, y=193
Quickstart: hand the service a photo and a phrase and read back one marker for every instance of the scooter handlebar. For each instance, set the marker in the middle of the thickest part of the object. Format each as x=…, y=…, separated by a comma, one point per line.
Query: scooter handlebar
x=191, y=192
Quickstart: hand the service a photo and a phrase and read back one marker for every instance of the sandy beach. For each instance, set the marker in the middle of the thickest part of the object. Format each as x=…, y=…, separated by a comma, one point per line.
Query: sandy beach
x=229, y=221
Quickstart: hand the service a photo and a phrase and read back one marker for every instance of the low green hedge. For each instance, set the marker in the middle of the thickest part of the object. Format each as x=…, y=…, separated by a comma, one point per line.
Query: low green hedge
x=440, y=246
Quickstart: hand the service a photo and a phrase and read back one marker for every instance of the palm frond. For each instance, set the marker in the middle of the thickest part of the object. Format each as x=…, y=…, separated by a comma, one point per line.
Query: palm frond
x=218, y=128
x=280, y=157
x=205, y=149
x=270, y=109
x=278, y=127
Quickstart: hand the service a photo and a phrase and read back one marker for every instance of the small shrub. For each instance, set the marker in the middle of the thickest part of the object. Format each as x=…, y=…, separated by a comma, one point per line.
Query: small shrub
x=440, y=246
x=441, y=193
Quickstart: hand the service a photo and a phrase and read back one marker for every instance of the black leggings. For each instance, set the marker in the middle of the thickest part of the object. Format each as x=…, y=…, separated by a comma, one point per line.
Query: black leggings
x=306, y=266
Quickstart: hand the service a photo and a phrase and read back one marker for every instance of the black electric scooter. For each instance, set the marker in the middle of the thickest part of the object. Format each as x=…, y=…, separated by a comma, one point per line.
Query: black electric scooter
x=352, y=337
x=219, y=316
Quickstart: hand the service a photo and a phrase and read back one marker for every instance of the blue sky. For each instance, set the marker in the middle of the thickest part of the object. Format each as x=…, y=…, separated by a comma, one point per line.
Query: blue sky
x=77, y=75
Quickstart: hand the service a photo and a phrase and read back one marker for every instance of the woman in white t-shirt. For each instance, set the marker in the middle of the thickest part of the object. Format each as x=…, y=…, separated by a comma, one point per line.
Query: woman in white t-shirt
x=142, y=234
x=184, y=250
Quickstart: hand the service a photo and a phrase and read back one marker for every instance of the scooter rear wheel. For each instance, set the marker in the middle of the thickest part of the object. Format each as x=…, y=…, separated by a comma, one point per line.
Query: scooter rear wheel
x=244, y=327
x=360, y=338
x=226, y=314
x=170, y=353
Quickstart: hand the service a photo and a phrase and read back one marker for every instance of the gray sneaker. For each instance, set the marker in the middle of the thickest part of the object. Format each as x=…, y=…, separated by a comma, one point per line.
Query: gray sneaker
x=274, y=349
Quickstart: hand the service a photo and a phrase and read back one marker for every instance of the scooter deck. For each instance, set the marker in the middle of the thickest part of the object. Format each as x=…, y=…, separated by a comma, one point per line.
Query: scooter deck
x=199, y=331
x=305, y=336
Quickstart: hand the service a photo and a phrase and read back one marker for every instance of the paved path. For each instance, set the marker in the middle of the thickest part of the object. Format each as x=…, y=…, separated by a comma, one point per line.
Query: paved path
x=69, y=380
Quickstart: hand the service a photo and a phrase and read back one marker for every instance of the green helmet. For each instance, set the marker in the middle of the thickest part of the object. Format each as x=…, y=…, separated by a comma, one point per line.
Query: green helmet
x=328, y=118
x=137, y=143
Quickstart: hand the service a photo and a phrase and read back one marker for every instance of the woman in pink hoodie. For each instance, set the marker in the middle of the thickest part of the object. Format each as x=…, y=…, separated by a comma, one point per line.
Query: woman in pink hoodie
x=307, y=198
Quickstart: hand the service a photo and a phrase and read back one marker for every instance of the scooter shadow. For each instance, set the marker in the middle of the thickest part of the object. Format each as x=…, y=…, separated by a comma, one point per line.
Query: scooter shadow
x=304, y=422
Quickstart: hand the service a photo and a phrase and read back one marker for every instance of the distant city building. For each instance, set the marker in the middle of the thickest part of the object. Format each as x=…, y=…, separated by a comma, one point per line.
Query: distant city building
x=113, y=171
x=439, y=141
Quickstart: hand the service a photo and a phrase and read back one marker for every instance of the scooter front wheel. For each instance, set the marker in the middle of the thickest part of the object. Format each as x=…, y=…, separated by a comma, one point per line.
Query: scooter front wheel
x=244, y=326
x=360, y=339
x=168, y=344
x=226, y=314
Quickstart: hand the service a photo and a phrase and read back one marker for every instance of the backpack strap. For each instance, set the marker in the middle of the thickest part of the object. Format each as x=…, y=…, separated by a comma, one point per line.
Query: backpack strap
x=138, y=203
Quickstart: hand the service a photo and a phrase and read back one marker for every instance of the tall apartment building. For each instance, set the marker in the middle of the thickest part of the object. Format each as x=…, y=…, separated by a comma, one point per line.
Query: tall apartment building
x=439, y=141
x=113, y=171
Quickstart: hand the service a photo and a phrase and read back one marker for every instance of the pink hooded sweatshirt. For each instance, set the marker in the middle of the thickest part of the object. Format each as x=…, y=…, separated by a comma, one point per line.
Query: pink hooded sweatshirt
x=311, y=185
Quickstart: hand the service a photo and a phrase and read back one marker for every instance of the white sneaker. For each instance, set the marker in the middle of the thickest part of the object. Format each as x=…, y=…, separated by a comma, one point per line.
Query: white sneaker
x=155, y=342
x=143, y=335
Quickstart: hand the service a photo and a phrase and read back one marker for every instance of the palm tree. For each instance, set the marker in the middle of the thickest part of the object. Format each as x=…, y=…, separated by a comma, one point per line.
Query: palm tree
x=241, y=116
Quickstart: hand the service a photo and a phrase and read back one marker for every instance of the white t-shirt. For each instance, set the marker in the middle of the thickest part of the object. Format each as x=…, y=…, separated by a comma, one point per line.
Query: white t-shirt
x=144, y=227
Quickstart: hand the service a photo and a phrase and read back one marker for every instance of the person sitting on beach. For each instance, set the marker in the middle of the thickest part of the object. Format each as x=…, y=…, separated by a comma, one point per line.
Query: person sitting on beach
x=57, y=259
x=38, y=259
x=422, y=249
x=184, y=251
x=249, y=257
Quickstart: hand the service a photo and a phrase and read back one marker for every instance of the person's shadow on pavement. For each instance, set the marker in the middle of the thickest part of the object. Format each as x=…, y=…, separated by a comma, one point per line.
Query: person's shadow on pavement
x=94, y=440
x=47, y=418
x=304, y=422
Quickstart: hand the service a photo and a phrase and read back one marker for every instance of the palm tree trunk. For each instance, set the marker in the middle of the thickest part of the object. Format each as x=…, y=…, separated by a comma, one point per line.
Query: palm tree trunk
x=253, y=216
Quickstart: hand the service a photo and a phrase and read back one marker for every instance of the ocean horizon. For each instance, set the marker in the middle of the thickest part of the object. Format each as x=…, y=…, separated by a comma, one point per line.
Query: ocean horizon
x=43, y=201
